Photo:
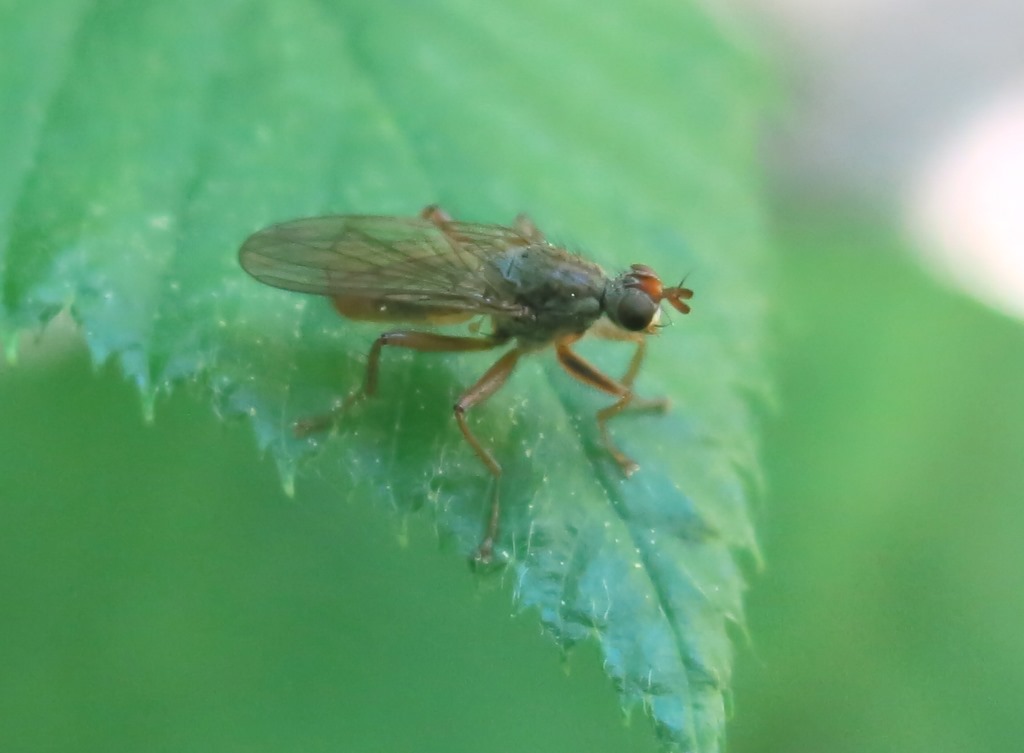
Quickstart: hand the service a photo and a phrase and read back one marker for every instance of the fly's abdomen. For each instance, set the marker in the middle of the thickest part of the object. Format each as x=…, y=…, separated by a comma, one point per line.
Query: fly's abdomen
x=377, y=309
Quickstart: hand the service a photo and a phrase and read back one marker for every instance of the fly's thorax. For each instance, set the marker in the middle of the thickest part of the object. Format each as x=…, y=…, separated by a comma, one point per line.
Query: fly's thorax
x=560, y=292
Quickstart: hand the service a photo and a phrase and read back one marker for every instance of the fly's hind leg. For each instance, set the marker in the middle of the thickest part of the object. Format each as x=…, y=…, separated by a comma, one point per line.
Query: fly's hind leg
x=421, y=341
x=486, y=386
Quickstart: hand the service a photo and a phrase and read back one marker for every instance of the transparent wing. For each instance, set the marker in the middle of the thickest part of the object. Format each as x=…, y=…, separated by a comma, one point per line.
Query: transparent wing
x=388, y=259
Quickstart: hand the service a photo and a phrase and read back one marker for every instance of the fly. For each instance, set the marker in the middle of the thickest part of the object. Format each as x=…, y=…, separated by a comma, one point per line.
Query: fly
x=432, y=270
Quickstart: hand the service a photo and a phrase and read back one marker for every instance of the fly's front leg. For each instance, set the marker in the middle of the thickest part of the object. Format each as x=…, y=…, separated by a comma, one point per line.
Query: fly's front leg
x=421, y=341
x=486, y=386
x=634, y=363
x=608, y=331
x=587, y=373
x=630, y=401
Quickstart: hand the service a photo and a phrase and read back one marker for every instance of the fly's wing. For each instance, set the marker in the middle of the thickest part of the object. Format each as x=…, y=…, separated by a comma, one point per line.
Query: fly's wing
x=409, y=262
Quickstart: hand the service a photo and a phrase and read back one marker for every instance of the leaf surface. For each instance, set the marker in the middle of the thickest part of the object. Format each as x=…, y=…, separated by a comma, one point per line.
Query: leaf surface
x=150, y=139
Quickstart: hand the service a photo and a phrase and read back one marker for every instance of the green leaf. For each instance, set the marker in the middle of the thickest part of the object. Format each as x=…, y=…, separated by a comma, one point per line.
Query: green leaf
x=148, y=140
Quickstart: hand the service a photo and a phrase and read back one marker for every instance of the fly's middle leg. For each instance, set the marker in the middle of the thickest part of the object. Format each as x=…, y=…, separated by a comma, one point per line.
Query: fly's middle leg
x=421, y=341
x=486, y=386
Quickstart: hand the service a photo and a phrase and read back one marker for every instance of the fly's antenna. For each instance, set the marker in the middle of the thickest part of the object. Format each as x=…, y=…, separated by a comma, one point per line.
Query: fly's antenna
x=678, y=296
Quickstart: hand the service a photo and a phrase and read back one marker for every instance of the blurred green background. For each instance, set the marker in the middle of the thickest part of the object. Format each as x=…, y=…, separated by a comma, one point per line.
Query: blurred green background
x=887, y=617
x=160, y=592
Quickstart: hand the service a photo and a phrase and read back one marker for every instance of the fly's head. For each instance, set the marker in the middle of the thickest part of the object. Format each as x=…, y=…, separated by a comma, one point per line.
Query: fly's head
x=633, y=299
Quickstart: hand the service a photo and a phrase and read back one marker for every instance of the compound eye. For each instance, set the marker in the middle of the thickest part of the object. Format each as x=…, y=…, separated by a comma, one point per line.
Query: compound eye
x=636, y=311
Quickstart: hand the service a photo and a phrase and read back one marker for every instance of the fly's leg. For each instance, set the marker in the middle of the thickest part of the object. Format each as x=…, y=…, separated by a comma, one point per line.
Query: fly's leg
x=525, y=227
x=631, y=401
x=435, y=214
x=422, y=341
x=608, y=331
x=635, y=361
x=443, y=221
x=587, y=373
x=486, y=386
